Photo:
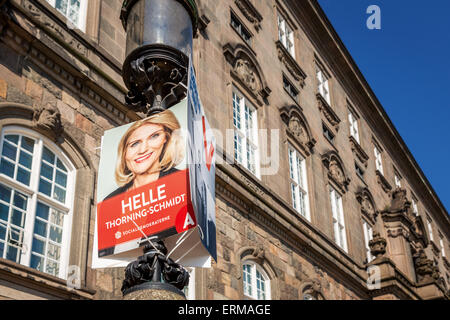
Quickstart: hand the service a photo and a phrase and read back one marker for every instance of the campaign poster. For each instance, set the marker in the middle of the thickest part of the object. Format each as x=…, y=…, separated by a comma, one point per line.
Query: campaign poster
x=156, y=182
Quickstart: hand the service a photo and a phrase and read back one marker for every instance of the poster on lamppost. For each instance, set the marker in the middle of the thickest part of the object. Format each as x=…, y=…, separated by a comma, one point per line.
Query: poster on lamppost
x=156, y=181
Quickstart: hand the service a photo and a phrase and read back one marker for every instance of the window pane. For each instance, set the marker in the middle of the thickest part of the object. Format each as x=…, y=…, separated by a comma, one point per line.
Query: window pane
x=27, y=144
x=18, y=218
x=59, y=194
x=2, y=232
x=61, y=179
x=13, y=138
x=20, y=200
x=60, y=165
x=48, y=156
x=47, y=171
x=56, y=234
x=4, y=212
x=40, y=228
x=37, y=262
x=2, y=247
x=5, y=193
x=12, y=253
x=57, y=218
x=38, y=246
x=62, y=6
x=52, y=267
x=42, y=211
x=7, y=168
x=45, y=187
x=25, y=159
x=9, y=151
x=23, y=176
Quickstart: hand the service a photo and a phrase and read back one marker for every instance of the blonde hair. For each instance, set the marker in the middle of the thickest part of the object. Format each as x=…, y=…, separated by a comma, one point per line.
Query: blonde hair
x=173, y=149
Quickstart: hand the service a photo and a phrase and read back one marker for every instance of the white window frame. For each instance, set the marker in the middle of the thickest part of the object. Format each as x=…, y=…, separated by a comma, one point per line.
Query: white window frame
x=322, y=83
x=354, y=130
x=298, y=182
x=286, y=34
x=368, y=235
x=414, y=206
x=340, y=236
x=441, y=244
x=378, y=159
x=253, y=284
x=81, y=23
x=245, y=123
x=430, y=229
x=34, y=196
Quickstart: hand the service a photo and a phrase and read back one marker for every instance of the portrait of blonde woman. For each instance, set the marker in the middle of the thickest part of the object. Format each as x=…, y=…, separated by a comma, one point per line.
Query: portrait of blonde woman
x=149, y=150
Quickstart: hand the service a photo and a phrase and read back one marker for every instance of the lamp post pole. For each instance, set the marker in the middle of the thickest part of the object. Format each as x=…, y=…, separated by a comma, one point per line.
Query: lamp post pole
x=155, y=71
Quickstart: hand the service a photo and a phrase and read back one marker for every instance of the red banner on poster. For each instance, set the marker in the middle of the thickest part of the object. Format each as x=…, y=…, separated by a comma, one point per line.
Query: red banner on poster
x=162, y=206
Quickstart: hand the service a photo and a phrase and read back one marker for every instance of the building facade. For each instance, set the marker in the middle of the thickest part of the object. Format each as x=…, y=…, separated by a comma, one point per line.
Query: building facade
x=317, y=195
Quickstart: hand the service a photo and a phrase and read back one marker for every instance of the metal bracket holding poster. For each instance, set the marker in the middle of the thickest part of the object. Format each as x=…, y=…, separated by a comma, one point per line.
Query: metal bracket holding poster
x=136, y=202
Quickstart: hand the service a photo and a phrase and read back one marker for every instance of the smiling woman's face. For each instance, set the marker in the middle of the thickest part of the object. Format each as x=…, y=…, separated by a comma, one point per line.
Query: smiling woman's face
x=144, y=147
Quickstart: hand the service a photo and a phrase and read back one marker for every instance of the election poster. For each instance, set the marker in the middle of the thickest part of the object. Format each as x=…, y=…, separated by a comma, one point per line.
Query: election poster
x=156, y=182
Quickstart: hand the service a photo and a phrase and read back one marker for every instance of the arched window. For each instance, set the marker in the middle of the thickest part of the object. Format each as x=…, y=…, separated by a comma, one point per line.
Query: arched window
x=36, y=198
x=256, y=282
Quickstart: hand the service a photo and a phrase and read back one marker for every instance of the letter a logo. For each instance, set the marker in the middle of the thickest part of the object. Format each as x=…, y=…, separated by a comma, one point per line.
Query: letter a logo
x=188, y=221
x=374, y=21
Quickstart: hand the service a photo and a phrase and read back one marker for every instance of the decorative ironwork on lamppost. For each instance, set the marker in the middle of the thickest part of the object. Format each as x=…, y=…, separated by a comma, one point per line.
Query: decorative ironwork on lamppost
x=159, y=43
x=155, y=71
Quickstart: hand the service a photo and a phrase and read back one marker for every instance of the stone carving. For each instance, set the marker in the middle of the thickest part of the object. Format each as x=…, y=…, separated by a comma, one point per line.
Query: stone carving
x=312, y=290
x=245, y=72
x=48, y=118
x=425, y=270
x=377, y=246
x=250, y=13
x=358, y=151
x=399, y=201
x=367, y=204
x=246, y=69
x=297, y=127
x=335, y=170
x=291, y=65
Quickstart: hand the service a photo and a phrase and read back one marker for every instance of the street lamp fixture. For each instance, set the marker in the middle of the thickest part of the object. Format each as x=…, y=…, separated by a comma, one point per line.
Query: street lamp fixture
x=155, y=71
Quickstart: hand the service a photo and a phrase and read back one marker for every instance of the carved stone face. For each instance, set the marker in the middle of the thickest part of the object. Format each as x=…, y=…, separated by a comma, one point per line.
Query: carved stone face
x=247, y=75
x=49, y=118
x=336, y=172
x=297, y=129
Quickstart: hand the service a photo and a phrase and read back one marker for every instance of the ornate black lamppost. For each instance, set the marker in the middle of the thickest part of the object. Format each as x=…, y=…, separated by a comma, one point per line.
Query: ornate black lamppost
x=159, y=43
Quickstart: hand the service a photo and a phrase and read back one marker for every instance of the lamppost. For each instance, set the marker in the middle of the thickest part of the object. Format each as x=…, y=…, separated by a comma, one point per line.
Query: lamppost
x=155, y=71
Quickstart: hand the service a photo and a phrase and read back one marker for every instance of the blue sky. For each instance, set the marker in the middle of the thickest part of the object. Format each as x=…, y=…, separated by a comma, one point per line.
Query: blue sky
x=407, y=65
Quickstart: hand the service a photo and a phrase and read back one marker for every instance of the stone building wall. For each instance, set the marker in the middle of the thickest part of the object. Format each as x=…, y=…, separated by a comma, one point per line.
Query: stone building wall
x=43, y=62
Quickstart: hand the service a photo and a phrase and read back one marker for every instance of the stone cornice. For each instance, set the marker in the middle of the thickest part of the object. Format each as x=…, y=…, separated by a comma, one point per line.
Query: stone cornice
x=328, y=112
x=250, y=12
x=291, y=65
x=383, y=182
x=358, y=151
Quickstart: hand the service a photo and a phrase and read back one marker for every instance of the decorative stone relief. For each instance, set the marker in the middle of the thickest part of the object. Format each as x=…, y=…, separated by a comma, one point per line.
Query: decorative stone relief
x=333, y=163
x=298, y=128
x=49, y=119
x=245, y=68
x=250, y=13
x=358, y=151
x=377, y=246
x=367, y=204
x=383, y=182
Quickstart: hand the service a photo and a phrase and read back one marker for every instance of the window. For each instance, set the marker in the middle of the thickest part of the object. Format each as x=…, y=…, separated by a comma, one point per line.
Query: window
x=286, y=35
x=322, y=82
x=414, y=206
x=354, y=131
x=397, y=179
x=378, y=160
x=240, y=29
x=290, y=88
x=338, y=219
x=430, y=229
x=299, y=185
x=73, y=10
x=441, y=244
x=256, y=283
x=368, y=235
x=245, y=133
x=327, y=133
x=36, y=190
